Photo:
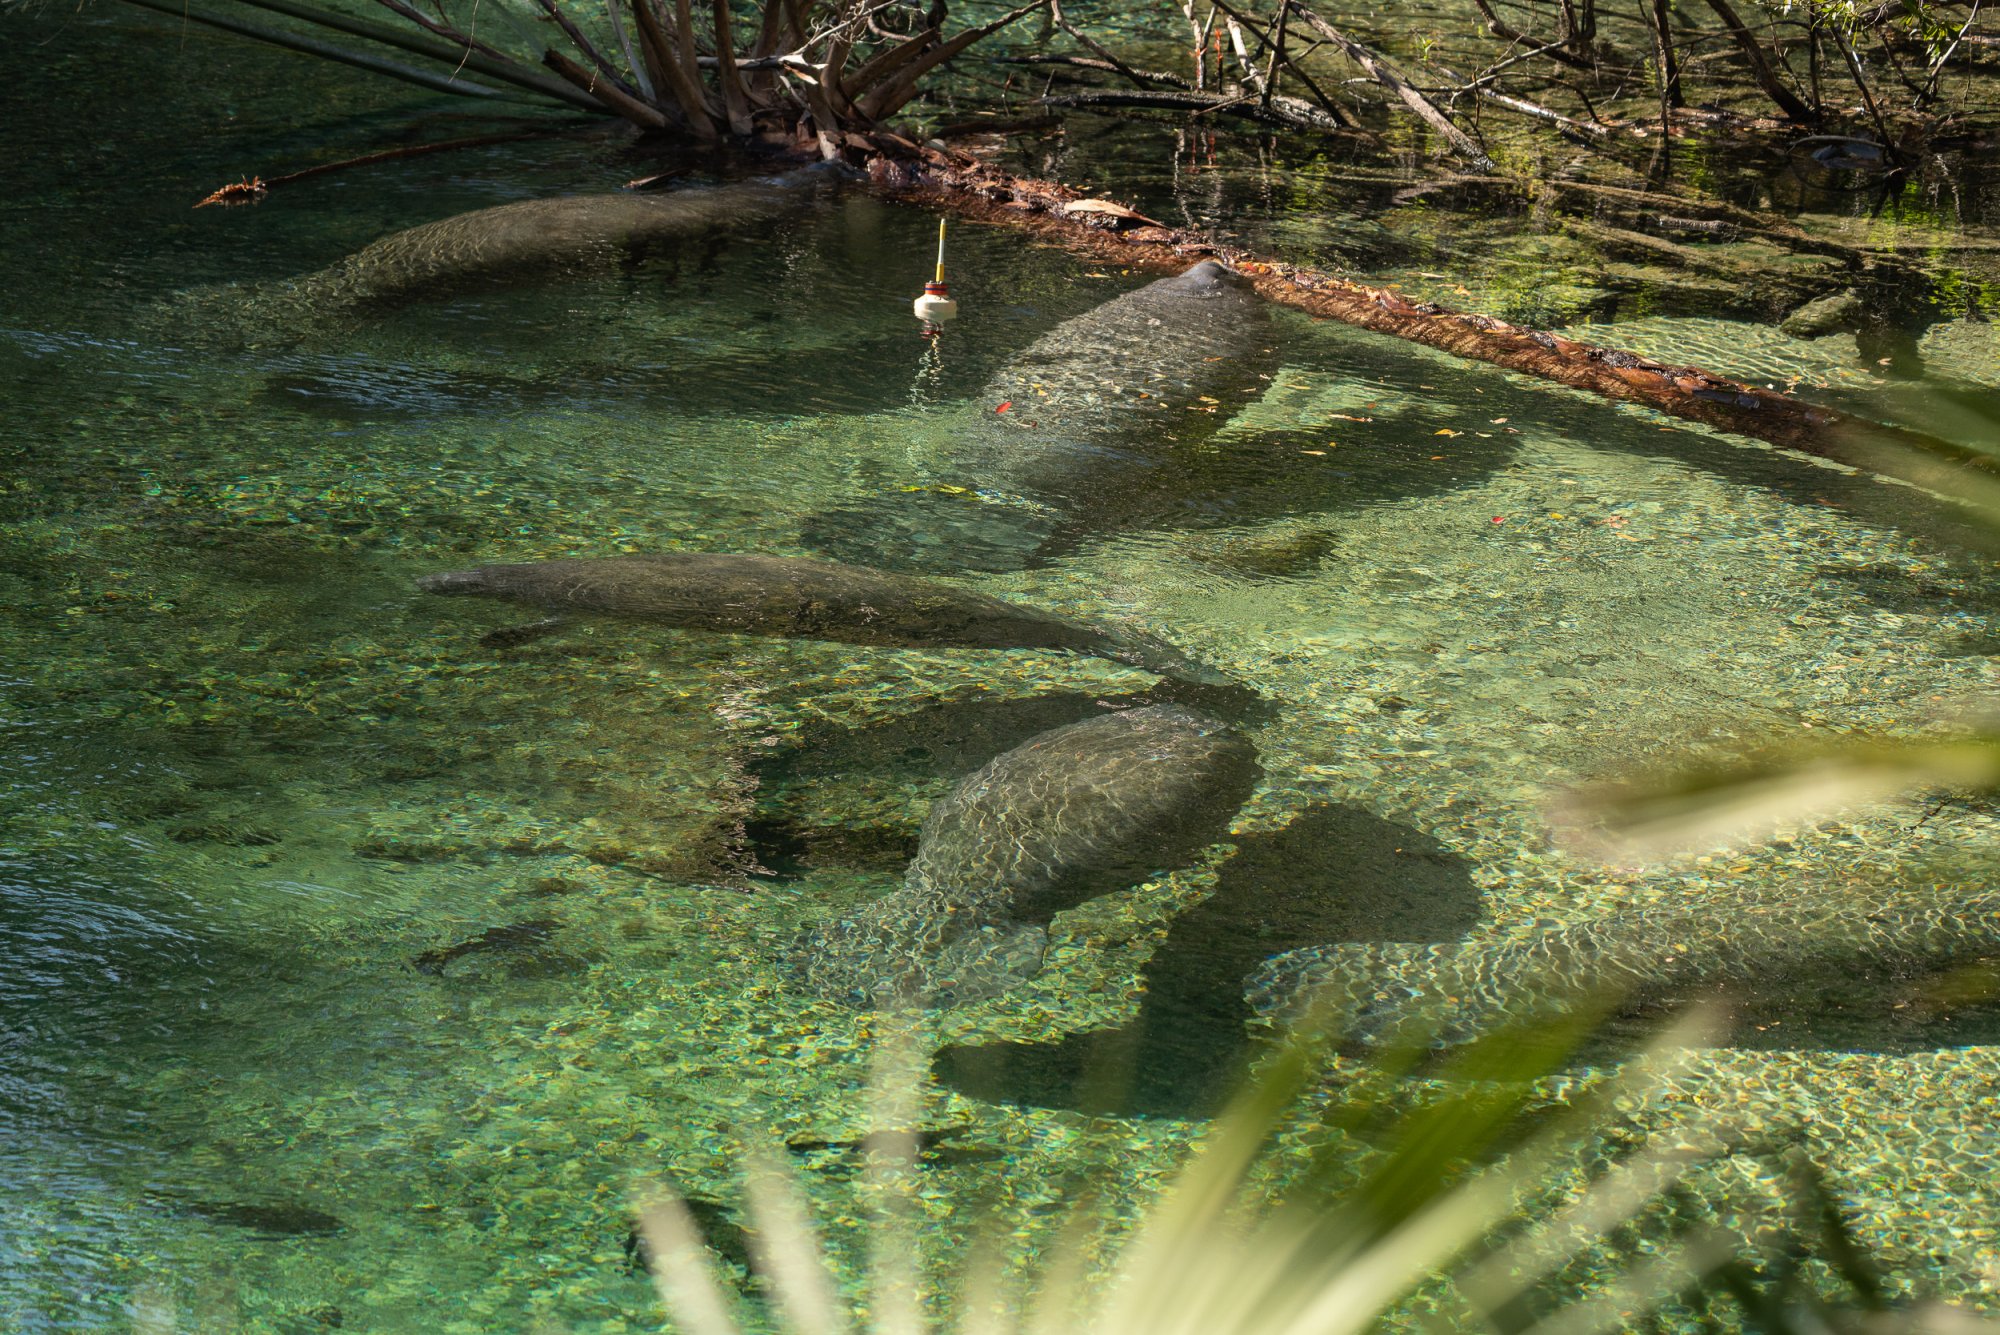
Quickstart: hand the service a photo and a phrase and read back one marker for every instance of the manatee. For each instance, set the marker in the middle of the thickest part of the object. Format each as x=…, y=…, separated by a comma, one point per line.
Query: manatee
x=1071, y=814
x=539, y=236
x=514, y=936
x=1813, y=951
x=797, y=597
x=1091, y=407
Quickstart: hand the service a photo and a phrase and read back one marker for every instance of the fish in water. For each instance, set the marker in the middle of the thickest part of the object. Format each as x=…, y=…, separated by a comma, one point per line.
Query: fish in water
x=1071, y=814
x=514, y=936
x=1809, y=951
x=540, y=236
x=1091, y=408
x=277, y=1220
x=796, y=597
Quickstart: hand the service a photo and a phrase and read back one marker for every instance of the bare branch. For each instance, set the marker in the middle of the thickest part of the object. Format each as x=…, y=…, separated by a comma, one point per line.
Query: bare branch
x=446, y=31
x=886, y=101
x=1379, y=69
x=1760, y=66
x=631, y=108
x=604, y=67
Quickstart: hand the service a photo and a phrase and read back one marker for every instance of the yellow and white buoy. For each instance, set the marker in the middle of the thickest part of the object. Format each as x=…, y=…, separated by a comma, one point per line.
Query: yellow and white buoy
x=935, y=306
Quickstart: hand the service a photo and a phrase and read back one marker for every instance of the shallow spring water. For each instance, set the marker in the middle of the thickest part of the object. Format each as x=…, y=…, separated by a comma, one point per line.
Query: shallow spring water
x=260, y=792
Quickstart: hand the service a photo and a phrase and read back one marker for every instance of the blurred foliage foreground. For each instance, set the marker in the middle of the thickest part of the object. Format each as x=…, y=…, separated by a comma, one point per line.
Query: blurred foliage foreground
x=1482, y=1204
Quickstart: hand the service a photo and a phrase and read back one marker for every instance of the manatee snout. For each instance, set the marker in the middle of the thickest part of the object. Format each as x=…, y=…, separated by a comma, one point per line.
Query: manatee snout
x=1210, y=279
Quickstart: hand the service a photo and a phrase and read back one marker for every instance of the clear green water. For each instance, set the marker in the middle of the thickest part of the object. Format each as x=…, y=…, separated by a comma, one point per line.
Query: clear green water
x=252, y=776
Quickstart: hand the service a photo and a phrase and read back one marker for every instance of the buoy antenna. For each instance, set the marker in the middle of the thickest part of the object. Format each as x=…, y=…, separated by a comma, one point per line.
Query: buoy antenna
x=935, y=306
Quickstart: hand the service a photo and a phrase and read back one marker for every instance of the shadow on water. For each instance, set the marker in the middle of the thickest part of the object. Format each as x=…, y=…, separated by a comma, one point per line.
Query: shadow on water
x=1337, y=873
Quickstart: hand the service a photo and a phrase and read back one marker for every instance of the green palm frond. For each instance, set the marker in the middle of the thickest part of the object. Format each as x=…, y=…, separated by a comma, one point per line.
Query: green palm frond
x=1444, y=1234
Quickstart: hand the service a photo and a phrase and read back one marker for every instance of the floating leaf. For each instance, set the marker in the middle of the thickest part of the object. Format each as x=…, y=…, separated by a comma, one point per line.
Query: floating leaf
x=1446, y=431
x=1104, y=208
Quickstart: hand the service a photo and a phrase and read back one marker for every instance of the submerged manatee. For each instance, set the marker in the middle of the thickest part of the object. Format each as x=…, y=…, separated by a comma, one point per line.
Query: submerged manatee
x=541, y=235
x=1069, y=815
x=1812, y=955
x=1093, y=405
x=796, y=597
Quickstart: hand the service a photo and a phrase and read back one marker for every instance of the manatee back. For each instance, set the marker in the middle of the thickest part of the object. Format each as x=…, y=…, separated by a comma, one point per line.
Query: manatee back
x=1094, y=409
x=1081, y=810
x=543, y=235
x=1072, y=813
x=1809, y=943
x=786, y=595
x=1142, y=356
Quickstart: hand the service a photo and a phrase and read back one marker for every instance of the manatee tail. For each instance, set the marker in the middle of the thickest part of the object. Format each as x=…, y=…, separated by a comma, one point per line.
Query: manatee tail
x=1188, y=681
x=888, y=955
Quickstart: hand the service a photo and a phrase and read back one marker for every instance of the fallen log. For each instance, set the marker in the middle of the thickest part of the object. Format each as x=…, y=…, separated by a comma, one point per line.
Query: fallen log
x=960, y=185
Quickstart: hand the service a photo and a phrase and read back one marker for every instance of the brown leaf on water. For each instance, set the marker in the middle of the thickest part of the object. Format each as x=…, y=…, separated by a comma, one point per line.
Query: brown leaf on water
x=1111, y=214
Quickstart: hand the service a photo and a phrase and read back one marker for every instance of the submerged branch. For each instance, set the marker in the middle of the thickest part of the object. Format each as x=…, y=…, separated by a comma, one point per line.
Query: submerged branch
x=258, y=186
x=1760, y=65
